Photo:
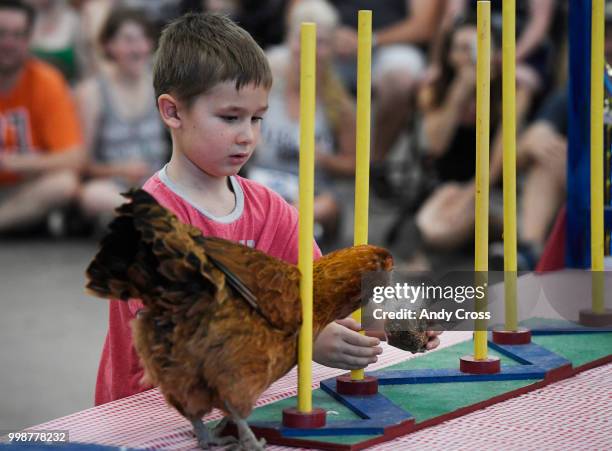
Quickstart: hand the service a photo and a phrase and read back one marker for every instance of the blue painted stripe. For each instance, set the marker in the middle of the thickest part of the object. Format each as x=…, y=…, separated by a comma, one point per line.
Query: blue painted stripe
x=367, y=406
x=571, y=330
x=377, y=413
x=444, y=375
x=531, y=354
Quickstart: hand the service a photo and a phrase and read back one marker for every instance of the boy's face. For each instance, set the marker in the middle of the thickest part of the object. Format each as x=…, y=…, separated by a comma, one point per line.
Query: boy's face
x=220, y=130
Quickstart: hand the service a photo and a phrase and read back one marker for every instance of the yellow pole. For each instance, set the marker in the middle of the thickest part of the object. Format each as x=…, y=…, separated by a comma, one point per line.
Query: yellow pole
x=306, y=221
x=362, y=171
x=483, y=70
x=597, y=183
x=509, y=138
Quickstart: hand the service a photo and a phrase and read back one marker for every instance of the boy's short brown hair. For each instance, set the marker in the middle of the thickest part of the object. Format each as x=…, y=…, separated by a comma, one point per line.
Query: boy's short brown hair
x=198, y=51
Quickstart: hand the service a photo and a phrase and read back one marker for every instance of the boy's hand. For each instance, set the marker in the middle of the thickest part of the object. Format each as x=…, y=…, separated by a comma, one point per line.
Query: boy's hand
x=340, y=345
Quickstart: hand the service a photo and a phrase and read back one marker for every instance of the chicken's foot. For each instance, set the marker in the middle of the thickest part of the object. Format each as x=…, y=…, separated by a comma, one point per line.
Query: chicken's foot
x=248, y=441
x=210, y=437
x=218, y=429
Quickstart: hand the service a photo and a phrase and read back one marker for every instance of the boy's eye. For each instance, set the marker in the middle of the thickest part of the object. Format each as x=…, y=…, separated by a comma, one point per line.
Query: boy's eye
x=257, y=119
x=229, y=118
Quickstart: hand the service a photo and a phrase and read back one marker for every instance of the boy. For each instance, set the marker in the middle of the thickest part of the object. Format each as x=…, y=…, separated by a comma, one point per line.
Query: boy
x=211, y=82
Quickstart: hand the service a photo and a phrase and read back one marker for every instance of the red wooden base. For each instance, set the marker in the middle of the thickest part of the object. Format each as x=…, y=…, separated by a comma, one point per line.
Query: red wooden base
x=490, y=365
x=293, y=418
x=590, y=318
x=521, y=336
x=346, y=386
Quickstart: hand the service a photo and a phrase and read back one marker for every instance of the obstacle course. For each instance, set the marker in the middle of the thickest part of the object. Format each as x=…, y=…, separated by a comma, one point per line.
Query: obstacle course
x=426, y=391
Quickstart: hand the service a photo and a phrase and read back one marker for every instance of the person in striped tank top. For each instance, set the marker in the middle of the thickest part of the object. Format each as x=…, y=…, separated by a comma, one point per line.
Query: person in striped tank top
x=123, y=132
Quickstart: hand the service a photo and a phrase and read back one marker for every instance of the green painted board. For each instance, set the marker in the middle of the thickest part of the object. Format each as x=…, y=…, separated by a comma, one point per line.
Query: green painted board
x=580, y=349
x=426, y=401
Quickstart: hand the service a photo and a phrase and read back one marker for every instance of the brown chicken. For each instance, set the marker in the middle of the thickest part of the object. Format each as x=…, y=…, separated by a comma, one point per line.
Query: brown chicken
x=221, y=320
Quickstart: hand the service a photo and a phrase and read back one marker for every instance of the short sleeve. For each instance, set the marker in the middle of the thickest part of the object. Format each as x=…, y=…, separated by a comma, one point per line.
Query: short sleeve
x=135, y=305
x=291, y=226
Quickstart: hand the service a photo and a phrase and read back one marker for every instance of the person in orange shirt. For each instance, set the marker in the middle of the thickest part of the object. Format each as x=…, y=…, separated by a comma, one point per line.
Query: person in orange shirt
x=40, y=139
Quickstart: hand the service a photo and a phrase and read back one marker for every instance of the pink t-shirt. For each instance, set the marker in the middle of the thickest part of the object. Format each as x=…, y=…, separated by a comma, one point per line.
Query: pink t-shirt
x=261, y=219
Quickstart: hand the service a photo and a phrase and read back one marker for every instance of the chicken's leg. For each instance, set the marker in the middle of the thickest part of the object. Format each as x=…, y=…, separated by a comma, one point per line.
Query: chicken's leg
x=218, y=429
x=210, y=437
x=248, y=441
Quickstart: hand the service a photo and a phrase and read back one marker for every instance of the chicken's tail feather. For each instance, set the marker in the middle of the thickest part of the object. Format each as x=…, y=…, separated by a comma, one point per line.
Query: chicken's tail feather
x=107, y=273
x=117, y=270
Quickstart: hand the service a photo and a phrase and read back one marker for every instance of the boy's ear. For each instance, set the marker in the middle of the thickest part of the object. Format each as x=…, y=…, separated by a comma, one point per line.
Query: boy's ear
x=168, y=109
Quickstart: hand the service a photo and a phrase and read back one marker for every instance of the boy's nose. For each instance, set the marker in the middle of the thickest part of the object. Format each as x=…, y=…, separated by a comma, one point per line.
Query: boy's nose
x=246, y=135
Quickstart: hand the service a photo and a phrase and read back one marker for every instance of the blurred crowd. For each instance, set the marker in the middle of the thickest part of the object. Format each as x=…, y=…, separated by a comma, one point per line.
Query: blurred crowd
x=79, y=124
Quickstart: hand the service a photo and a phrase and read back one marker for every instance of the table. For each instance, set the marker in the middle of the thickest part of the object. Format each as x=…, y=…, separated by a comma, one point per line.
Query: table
x=575, y=413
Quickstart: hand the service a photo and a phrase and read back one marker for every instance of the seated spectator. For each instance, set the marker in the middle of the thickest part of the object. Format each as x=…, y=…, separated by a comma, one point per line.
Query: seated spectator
x=542, y=157
x=56, y=38
x=276, y=161
x=402, y=31
x=40, y=140
x=445, y=220
x=124, y=136
x=265, y=21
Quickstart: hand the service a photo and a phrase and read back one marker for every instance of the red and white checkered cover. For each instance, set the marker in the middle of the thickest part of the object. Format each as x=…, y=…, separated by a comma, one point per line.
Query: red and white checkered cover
x=572, y=414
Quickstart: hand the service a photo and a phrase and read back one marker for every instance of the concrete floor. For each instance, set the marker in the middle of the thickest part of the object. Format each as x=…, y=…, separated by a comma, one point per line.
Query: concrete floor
x=51, y=332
